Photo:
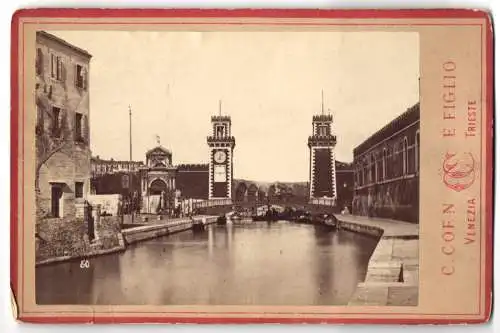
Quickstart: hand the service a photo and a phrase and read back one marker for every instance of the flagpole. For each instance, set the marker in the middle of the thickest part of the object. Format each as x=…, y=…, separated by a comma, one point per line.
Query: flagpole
x=130, y=181
x=130, y=131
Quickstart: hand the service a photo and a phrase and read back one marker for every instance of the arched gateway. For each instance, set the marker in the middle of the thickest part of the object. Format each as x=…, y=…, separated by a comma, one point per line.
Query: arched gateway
x=158, y=181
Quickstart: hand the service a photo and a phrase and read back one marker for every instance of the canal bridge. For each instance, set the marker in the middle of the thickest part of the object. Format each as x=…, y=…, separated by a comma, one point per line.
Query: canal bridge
x=256, y=197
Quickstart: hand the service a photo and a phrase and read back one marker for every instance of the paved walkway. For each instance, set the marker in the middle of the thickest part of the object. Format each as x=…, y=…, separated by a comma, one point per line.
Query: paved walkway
x=393, y=270
x=391, y=228
x=153, y=219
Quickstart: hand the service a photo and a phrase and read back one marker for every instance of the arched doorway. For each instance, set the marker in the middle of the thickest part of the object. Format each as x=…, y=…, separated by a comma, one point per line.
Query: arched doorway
x=157, y=186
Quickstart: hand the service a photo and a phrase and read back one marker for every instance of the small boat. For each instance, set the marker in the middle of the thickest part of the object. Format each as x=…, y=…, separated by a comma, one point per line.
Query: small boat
x=235, y=218
x=221, y=220
x=304, y=218
x=198, y=226
x=319, y=218
x=331, y=221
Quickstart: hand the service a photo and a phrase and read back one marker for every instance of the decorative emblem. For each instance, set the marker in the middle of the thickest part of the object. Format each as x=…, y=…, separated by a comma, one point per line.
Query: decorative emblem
x=459, y=171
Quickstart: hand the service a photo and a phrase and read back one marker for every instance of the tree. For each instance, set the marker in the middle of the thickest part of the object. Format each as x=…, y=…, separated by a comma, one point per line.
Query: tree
x=53, y=136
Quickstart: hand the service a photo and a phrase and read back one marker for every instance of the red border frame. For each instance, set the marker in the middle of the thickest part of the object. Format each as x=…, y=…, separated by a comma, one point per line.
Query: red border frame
x=248, y=13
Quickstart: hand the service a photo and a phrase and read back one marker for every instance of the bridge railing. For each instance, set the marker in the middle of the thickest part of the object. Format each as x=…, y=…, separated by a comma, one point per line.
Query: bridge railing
x=212, y=203
x=323, y=201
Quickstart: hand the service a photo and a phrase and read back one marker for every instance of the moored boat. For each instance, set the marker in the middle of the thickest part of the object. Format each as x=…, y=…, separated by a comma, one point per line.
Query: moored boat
x=221, y=220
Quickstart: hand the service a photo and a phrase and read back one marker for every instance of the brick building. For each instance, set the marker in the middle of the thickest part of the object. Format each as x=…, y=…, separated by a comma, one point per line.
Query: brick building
x=387, y=170
x=62, y=127
x=344, y=175
x=115, y=177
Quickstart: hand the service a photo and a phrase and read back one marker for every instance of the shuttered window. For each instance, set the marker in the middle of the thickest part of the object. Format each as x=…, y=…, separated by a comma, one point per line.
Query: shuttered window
x=56, y=121
x=56, y=67
x=80, y=77
x=78, y=127
x=39, y=61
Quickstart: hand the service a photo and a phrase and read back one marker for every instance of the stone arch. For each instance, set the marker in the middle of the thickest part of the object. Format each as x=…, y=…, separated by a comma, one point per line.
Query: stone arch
x=157, y=186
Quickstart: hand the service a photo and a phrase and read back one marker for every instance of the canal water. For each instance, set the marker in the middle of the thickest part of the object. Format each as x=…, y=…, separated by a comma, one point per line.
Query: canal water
x=259, y=263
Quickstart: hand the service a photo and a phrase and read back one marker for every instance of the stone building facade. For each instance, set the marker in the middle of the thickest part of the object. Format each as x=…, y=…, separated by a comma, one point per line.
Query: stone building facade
x=344, y=177
x=387, y=170
x=62, y=127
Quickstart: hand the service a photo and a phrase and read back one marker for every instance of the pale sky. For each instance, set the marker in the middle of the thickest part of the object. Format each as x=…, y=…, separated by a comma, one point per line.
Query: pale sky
x=270, y=84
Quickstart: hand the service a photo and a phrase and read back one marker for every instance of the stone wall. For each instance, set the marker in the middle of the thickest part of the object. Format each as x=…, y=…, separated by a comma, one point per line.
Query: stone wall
x=397, y=200
x=108, y=202
x=59, y=239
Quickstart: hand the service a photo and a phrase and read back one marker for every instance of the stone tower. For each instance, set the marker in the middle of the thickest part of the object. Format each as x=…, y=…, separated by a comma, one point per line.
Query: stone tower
x=221, y=145
x=322, y=181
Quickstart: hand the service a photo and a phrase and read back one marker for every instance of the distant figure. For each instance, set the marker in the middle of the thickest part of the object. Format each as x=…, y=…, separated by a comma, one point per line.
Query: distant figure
x=345, y=211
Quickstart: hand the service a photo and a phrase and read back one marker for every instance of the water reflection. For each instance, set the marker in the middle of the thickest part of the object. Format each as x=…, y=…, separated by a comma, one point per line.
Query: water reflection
x=260, y=263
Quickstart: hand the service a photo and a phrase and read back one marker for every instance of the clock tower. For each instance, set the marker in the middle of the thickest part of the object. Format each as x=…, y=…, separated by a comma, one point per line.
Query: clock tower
x=221, y=145
x=322, y=179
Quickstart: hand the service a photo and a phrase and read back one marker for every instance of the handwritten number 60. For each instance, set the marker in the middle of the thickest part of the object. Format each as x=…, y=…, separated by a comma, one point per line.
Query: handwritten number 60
x=84, y=264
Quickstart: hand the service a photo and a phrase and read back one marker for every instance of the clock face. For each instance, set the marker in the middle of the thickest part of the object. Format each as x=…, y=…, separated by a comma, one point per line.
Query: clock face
x=220, y=156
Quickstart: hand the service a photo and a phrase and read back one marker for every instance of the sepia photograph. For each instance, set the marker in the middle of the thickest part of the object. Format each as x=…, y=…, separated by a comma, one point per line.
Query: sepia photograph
x=265, y=168
x=251, y=166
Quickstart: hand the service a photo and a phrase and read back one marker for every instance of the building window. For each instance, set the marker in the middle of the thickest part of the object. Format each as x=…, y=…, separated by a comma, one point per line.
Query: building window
x=417, y=151
x=384, y=164
x=405, y=156
x=78, y=189
x=81, y=77
x=374, y=168
x=56, y=125
x=323, y=130
x=56, y=67
x=219, y=131
x=39, y=61
x=78, y=127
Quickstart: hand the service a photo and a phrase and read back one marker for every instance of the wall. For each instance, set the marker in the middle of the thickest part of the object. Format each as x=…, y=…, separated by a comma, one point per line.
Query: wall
x=61, y=156
x=345, y=188
x=67, y=238
x=108, y=202
x=192, y=181
x=387, y=170
x=114, y=183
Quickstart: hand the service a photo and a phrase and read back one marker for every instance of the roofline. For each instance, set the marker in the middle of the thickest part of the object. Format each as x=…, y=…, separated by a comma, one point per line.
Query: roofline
x=65, y=43
x=166, y=150
x=388, y=125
